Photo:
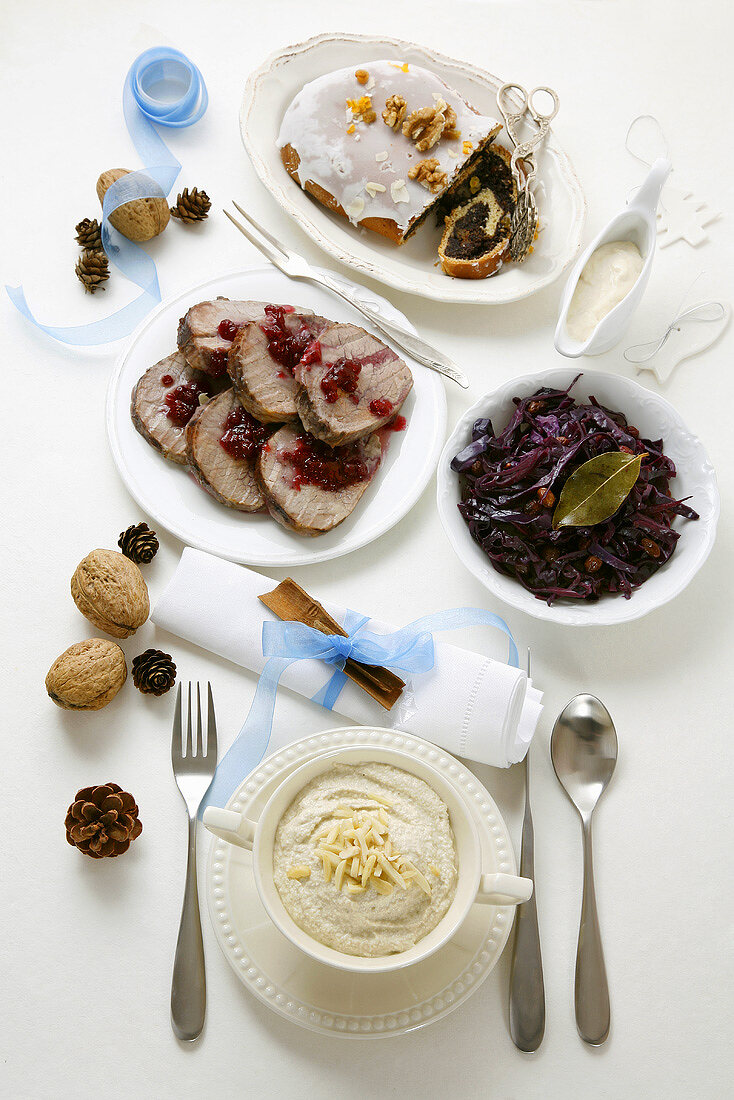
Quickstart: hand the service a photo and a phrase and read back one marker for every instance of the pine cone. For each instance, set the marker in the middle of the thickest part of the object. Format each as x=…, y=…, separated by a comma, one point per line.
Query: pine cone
x=191, y=207
x=92, y=270
x=89, y=234
x=154, y=673
x=138, y=543
x=102, y=821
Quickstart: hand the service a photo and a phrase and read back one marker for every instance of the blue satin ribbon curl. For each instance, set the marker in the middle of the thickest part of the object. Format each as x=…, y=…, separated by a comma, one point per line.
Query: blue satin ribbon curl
x=410, y=649
x=161, y=65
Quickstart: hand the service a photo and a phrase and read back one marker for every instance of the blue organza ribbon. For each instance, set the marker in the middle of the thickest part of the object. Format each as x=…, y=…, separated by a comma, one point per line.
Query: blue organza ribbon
x=187, y=100
x=410, y=650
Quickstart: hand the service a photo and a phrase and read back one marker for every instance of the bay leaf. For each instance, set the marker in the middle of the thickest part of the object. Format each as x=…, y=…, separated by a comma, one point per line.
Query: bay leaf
x=595, y=491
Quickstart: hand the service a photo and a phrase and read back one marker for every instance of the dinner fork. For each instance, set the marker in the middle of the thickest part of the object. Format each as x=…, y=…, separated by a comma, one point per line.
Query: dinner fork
x=193, y=770
x=296, y=267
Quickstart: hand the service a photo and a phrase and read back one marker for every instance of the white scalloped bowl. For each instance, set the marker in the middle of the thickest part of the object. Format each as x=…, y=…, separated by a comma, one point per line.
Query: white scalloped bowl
x=656, y=418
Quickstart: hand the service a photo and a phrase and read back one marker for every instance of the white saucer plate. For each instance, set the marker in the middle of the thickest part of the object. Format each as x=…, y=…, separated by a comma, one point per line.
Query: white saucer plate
x=412, y=266
x=174, y=500
x=336, y=1002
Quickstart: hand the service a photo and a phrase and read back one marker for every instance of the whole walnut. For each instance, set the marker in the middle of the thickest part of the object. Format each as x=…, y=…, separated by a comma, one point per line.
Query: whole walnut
x=140, y=219
x=109, y=590
x=87, y=675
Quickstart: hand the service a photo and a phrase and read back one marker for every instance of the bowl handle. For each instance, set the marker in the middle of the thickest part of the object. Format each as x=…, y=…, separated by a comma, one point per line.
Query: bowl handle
x=230, y=826
x=501, y=889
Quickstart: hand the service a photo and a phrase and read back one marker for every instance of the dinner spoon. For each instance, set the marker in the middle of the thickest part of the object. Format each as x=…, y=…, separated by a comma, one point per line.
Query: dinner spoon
x=584, y=752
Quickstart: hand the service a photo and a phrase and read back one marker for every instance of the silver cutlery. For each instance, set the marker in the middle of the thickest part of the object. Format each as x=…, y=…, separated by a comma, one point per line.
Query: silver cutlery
x=295, y=267
x=527, y=989
x=584, y=752
x=194, y=764
x=525, y=216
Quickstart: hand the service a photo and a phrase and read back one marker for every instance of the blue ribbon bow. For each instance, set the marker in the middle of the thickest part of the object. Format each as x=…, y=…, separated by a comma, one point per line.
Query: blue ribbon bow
x=410, y=649
x=170, y=71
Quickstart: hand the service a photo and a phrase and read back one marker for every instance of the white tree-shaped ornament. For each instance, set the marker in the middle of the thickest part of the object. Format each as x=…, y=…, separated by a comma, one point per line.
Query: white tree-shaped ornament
x=683, y=217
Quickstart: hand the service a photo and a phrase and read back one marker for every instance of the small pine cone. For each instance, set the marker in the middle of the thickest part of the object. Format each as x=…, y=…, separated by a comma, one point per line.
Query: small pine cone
x=138, y=543
x=89, y=234
x=191, y=207
x=92, y=270
x=154, y=673
x=102, y=821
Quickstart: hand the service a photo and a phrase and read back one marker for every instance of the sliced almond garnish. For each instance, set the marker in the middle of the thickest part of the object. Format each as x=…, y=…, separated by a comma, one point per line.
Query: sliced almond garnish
x=399, y=192
x=301, y=870
x=390, y=871
x=340, y=873
x=377, y=797
x=356, y=849
x=374, y=188
x=369, y=867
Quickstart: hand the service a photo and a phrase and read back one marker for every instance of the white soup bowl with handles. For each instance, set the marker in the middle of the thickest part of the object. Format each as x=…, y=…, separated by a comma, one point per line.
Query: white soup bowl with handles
x=477, y=882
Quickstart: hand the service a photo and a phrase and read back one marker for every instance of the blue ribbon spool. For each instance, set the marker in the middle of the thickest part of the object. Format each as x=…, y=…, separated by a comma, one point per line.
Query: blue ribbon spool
x=163, y=87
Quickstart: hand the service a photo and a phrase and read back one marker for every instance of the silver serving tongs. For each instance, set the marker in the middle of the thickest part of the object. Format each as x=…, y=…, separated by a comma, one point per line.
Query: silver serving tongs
x=525, y=216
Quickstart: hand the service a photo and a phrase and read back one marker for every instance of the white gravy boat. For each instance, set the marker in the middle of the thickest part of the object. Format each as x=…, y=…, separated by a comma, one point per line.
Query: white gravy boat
x=478, y=879
x=636, y=223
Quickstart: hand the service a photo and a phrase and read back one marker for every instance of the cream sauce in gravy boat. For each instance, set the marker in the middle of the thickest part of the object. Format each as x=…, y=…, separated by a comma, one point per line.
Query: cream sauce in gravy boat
x=636, y=223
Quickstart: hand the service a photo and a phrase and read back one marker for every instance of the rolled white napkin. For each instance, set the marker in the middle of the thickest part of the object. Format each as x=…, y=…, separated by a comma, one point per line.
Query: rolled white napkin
x=470, y=705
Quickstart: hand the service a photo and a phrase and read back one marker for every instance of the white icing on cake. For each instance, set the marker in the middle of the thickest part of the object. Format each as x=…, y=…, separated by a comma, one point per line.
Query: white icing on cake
x=317, y=122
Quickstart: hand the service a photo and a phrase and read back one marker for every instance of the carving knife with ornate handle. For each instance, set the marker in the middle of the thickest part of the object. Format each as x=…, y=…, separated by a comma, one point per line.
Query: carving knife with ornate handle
x=527, y=990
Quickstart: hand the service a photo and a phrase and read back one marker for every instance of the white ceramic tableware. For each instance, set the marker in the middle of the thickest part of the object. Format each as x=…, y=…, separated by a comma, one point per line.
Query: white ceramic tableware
x=636, y=223
x=410, y=267
x=655, y=418
x=341, y=1003
x=475, y=882
x=175, y=500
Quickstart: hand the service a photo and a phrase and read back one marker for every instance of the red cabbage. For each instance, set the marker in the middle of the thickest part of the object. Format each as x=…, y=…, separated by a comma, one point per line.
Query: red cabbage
x=511, y=482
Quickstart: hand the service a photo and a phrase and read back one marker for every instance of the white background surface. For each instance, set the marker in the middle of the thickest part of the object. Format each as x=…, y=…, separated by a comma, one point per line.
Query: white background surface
x=87, y=946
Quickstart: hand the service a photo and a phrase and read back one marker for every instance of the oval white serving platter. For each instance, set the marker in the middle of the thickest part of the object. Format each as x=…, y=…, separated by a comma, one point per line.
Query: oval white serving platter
x=656, y=418
x=173, y=499
x=412, y=266
x=339, y=1002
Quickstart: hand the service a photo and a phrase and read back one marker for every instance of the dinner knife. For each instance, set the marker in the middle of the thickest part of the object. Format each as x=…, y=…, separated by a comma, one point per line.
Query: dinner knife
x=527, y=989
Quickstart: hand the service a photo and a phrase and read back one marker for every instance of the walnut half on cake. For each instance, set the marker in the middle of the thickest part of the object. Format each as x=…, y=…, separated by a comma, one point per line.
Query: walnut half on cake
x=381, y=150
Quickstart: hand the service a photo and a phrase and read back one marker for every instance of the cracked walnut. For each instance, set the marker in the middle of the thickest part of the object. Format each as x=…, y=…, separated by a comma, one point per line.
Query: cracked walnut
x=424, y=127
x=394, y=113
x=430, y=174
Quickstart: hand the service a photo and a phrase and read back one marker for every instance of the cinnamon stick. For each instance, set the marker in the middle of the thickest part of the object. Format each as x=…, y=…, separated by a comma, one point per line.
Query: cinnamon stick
x=292, y=604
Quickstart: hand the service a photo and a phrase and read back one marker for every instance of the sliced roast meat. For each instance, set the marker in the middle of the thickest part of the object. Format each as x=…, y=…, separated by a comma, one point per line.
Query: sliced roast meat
x=164, y=400
x=199, y=337
x=354, y=386
x=263, y=357
x=222, y=444
x=309, y=487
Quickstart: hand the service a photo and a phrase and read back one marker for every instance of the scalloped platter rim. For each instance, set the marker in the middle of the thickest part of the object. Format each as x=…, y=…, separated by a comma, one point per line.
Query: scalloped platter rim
x=411, y=267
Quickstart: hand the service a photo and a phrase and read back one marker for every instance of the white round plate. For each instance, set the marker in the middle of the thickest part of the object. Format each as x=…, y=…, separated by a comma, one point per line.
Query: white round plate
x=337, y=1002
x=175, y=500
x=412, y=266
x=656, y=418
